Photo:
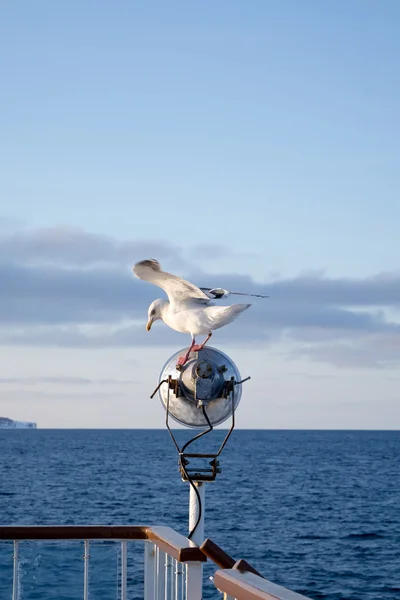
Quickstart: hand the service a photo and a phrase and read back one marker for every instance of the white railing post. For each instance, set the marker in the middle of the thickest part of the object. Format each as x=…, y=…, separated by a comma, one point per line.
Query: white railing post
x=194, y=580
x=169, y=578
x=176, y=574
x=149, y=571
x=86, y=557
x=179, y=581
x=167, y=581
x=161, y=559
x=15, y=590
x=174, y=567
x=124, y=570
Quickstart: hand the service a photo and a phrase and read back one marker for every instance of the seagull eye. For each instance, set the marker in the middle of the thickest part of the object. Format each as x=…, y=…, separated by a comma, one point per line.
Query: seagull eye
x=153, y=312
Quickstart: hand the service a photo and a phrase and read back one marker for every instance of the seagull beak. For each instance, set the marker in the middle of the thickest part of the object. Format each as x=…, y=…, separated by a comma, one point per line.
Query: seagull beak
x=149, y=324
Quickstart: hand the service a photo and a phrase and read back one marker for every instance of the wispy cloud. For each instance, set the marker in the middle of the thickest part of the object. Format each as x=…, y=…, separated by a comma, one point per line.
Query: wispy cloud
x=64, y=381
x=380, y=350
x=69, y=246
x=69, y=288
x=27, y=395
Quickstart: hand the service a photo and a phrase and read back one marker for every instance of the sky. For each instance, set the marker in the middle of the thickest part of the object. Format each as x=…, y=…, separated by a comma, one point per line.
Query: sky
x=249, y=145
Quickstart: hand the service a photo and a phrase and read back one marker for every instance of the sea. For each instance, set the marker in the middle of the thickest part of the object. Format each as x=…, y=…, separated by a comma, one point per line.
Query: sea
x=315, y=511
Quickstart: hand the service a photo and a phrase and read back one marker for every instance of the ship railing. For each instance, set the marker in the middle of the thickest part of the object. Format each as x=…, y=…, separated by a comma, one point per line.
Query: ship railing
x=173, y=565
x=239, y=580
x=237, y=585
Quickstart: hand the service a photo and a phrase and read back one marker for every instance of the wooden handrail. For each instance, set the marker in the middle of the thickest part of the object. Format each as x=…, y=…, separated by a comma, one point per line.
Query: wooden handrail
x=175, y=544
x=73, y=532
x=217, y=555
x=223, y=560
x=168, y=540
x=243, y=566
x=248, y=586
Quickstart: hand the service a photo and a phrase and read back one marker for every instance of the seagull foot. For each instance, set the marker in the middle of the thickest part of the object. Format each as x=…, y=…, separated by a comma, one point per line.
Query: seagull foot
x=182, y=360
x=199, y=347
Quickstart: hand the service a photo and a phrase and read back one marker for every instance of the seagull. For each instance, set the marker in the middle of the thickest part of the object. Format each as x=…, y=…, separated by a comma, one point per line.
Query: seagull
x=189, y=309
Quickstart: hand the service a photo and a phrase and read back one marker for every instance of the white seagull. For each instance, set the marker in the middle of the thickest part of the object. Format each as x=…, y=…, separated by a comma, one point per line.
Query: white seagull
x=189, y=309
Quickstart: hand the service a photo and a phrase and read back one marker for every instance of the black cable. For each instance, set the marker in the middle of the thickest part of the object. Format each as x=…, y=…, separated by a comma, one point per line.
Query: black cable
x=199, y=435
x=182, y=459
x=183, y=467
x=190, y=480
x=207, y=419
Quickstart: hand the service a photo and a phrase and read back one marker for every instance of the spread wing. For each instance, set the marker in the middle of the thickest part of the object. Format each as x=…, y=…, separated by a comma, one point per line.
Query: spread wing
x=177, y=289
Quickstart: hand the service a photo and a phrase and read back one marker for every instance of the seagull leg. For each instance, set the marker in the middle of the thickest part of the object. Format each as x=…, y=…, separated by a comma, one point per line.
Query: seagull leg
x=197, y=347
x=182, y=360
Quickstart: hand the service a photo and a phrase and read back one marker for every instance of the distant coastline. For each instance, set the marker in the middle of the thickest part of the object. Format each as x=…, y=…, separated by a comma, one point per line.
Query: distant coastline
x=6, y=423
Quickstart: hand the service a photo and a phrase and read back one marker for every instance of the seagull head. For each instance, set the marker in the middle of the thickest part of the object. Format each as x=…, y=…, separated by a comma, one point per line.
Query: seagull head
x=154, y=312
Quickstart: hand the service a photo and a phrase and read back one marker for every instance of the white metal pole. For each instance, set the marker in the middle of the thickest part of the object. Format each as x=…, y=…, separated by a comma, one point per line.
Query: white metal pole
x=194, y=570
x=86, y=558
x=15, y=591
x=194, y=508
x=124, y=570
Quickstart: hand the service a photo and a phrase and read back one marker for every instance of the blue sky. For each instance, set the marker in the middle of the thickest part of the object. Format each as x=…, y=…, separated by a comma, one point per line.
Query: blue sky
x=252, y=144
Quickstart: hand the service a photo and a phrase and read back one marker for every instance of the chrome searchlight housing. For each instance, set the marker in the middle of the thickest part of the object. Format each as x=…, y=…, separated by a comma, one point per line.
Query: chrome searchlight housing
x=202, y=393
x=205, y=391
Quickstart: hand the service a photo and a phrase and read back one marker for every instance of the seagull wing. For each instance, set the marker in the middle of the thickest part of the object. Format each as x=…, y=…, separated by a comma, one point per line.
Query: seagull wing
x=178, y=290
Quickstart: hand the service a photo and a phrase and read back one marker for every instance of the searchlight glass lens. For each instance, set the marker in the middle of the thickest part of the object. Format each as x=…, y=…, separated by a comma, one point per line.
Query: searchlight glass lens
x=201, y=382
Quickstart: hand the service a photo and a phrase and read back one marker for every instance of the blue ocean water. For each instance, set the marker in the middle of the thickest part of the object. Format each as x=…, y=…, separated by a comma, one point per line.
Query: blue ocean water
x=315, y=511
